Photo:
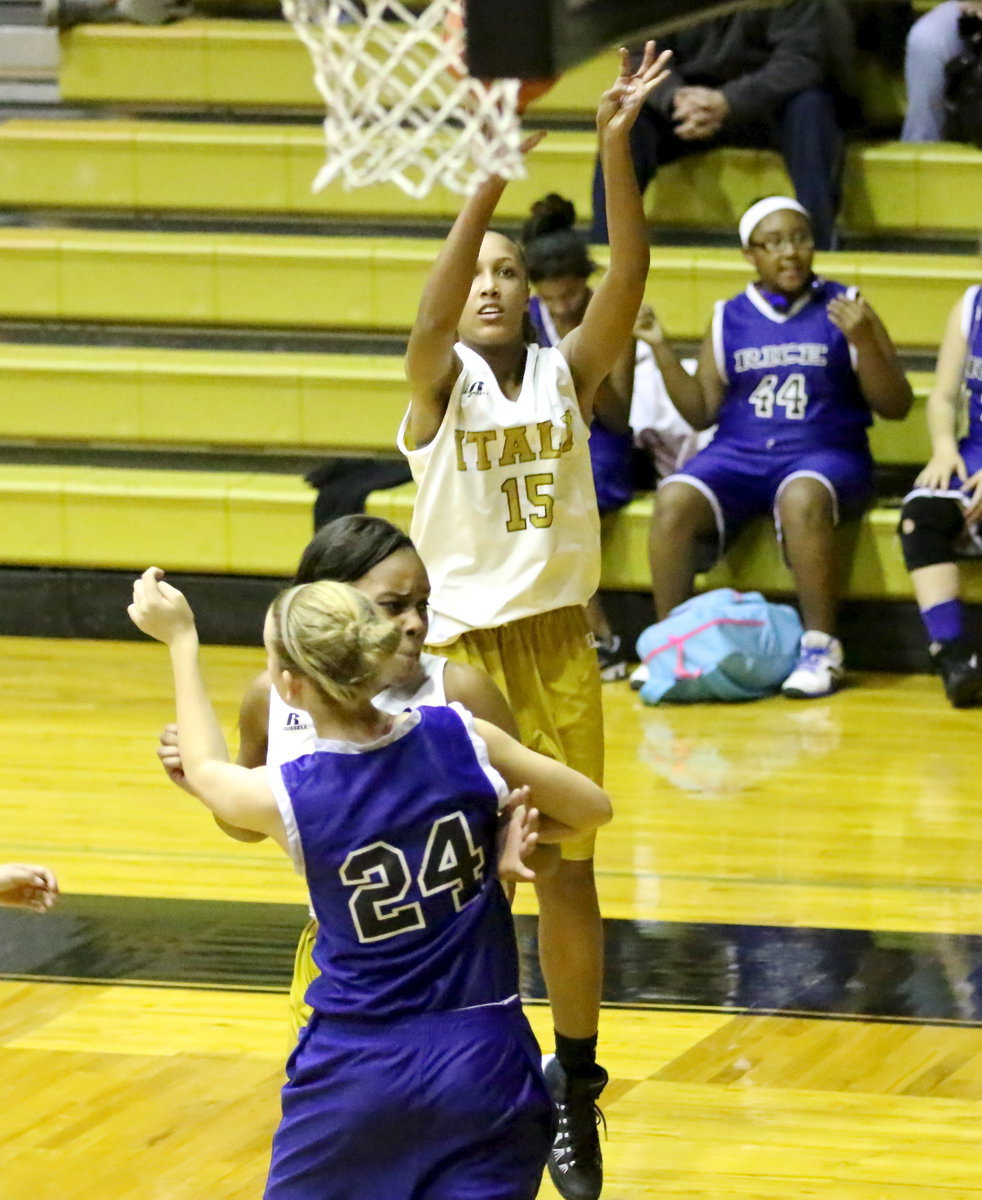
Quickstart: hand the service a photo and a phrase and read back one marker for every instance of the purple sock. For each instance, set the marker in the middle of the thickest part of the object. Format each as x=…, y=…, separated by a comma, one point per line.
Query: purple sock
x=944, y=622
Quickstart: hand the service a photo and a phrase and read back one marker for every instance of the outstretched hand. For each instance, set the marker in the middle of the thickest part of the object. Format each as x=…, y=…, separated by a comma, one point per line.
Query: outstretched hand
x=620, y=105
x=517, y=838
x=23, y=885
x=158, y=609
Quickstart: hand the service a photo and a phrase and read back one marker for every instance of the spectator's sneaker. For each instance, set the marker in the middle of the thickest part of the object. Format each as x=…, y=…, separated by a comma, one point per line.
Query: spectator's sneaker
x=960, y=671
x=818, y=671
x=575, y=1163
x=610, y=656
x=639, y=677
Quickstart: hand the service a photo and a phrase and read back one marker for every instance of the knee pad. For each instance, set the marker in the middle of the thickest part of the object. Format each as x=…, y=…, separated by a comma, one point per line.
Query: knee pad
x=929, y=526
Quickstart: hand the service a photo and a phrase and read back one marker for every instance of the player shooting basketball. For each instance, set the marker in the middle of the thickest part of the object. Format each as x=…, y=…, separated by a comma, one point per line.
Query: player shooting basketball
x=506, y=523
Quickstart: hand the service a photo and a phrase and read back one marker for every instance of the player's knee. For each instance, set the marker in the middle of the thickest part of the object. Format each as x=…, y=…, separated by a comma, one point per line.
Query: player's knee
x=928, y=528
x=806, y=504
x=680, y=512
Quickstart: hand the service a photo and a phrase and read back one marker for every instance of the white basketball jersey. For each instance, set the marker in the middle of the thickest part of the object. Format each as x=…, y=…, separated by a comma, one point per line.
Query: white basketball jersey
x=291, y=732
x=506, y=514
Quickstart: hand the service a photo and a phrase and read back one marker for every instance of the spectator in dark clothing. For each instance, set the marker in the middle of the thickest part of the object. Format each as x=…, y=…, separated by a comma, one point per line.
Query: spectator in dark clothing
x=762, y=77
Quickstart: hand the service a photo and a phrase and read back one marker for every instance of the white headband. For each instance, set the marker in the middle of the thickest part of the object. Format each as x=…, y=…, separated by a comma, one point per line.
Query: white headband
x=763, y=208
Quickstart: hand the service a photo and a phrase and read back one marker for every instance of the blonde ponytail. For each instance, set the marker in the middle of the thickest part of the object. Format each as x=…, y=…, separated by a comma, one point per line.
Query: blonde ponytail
x=335, y=636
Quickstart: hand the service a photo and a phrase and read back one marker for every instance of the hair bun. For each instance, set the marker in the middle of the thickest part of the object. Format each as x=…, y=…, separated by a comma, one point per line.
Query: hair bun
x=551, y=214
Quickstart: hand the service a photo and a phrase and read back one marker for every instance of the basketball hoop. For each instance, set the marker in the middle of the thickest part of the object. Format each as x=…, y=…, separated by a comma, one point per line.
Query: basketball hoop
x=401, y=107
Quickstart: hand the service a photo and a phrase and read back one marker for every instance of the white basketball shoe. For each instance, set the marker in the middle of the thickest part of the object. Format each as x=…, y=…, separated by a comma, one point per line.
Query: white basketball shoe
x=818, y=671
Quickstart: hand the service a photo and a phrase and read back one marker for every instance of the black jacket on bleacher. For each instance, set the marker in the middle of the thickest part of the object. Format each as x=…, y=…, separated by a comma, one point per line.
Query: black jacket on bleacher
x=759, y=57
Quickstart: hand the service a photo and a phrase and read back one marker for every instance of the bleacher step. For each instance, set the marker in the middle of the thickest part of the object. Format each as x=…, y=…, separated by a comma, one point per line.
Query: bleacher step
x=262, y=65
x=893, y=190
x=214, y=522
x=876, y=572
x=193, y=400
x=373, y=284
x=241, y=524
x=247, y=400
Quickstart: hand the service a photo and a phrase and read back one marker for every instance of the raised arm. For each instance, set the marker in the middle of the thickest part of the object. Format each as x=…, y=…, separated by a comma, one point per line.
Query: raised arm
x=431, y=366
x=942, y=407
x=697, y=398
x=569, y=804
x=237, y=795
x=593, y=347
x=712, y=387
x=882, y=379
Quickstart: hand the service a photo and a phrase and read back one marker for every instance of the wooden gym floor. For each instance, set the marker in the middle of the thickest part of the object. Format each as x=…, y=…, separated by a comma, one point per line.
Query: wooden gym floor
x=793, y=895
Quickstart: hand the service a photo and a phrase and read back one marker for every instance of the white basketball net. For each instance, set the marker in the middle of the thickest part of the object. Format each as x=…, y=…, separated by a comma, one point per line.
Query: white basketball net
x=400, y=105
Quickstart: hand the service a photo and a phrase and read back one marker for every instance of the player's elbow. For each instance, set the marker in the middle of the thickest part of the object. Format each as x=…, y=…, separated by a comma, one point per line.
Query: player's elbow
x=894, y=404
x=905, y=402
x=601, y=812
x=237, y=833
x=208, y=781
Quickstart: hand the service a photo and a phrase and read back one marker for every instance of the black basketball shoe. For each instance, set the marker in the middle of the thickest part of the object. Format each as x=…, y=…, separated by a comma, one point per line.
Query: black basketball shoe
x=575, y=1163
x=960, y=671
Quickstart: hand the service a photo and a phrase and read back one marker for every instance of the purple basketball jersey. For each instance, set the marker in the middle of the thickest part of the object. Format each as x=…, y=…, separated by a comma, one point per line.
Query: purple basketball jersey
x=790, y=382
x=399, y=852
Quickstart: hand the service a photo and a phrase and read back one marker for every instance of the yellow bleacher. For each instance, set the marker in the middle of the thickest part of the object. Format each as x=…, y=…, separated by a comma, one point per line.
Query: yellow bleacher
x=180, y=166
x=754, y=562
x=219, y=63
x=243, y=524
x=236, y=400
x=221, y=522
x=209, y=63
x=347, y=283
x=225, y=399
x=227, y=522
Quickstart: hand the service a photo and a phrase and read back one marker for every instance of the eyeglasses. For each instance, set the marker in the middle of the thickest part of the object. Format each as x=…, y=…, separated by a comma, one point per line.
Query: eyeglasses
x=777, y=241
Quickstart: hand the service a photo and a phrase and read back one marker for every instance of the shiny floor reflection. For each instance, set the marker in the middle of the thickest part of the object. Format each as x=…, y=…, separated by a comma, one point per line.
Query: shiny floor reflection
x=749, y=968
